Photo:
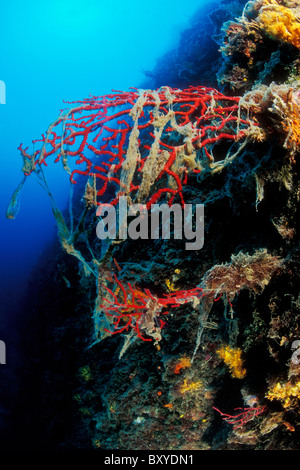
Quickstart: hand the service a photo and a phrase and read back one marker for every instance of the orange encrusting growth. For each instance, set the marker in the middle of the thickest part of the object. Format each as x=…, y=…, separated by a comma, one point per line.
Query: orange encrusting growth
x=190, y=387
x=233, y=359
x=291, y=126
x=183, y=363
x=288, y=394
x=279, y=23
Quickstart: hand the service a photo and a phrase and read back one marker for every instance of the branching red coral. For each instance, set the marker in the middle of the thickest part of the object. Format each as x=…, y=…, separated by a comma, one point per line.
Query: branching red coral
x=132, y=308
x=243, y=416
x=125, y=142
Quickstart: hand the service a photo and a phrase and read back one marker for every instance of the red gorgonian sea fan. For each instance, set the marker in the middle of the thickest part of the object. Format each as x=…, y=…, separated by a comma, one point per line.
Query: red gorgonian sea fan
x=242, y=415
x=140, y=143
x=133, y=309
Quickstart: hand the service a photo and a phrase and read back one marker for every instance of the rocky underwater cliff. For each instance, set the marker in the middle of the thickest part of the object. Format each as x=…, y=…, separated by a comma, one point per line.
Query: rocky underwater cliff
x=143, y=344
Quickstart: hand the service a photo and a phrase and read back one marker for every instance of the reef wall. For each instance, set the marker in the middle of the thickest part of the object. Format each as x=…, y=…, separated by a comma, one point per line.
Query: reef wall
x=143, y=344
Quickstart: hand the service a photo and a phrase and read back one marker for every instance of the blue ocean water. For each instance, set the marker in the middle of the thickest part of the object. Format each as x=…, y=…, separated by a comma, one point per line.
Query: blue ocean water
x=63, y=50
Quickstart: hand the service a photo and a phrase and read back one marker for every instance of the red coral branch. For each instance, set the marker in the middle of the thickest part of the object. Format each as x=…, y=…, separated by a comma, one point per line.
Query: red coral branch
x=242, y=417
x=95, y=134
x=132, y=308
